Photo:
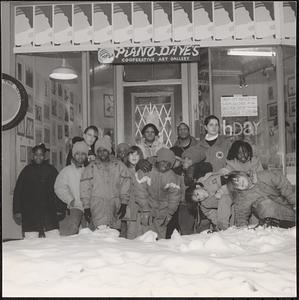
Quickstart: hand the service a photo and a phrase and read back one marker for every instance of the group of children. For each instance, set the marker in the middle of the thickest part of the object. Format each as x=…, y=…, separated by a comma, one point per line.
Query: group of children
x=149, y=187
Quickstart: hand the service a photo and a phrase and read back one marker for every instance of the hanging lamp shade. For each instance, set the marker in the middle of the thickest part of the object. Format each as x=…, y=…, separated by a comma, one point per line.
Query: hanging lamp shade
x=63, y=72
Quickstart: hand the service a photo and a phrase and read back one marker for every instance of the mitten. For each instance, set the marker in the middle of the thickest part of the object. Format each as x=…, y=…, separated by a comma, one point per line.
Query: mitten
x=143, y=165
x=122, y=211
x=87, y=215
x=18, y=218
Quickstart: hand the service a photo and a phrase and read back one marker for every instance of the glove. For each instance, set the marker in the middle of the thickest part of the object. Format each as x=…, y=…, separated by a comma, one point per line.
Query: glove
x=87, y=215
x=145, y=218
x=18, y=218
x=122, y=211
x=60, y=215
x=143, y=165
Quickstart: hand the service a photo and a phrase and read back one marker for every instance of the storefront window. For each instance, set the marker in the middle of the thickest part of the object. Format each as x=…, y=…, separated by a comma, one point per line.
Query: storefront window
x=245, y=99
x=102, y=106
x=54, y=112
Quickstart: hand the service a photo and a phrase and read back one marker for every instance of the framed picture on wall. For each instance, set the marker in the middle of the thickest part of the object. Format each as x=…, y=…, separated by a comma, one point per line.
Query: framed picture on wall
x=21, y=128
x=292, y=107
x=29, y=128
x=291, y=86
x=272, y=111
x=23, y=151
x=108, y=106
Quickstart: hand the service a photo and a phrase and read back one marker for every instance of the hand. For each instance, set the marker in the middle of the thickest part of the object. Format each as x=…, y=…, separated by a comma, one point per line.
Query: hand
x=122, y=211
x=144, y=165
x=145, y=218
x=60, y=215
x=87, y=215
x=18, y=218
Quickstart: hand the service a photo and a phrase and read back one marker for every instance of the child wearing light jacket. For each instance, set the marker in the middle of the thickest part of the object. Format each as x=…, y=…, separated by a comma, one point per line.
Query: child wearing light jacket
x=67, y=188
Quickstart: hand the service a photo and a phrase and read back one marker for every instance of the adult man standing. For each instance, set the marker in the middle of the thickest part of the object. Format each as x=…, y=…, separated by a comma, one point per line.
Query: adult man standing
x=67, y=186
x=105, y=187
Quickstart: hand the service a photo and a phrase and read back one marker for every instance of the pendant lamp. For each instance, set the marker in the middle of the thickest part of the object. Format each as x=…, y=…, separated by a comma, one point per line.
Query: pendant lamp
x=63, y=72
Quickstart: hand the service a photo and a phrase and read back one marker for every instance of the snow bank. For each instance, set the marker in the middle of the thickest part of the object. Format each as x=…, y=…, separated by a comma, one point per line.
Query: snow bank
x=248, y=263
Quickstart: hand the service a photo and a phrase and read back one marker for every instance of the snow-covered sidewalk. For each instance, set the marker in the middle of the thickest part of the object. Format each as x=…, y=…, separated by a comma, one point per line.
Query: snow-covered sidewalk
x=248, y=263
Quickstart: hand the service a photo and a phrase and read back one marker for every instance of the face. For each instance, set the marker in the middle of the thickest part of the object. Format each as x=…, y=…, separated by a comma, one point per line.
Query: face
x=183, y=131
x=149, y=134
x=241, y=182
x=38, y=156
x=90, y=137
x=243, y=155
x=163, y=166
x=199, y=194
x=187, y=162
x=103, y=154
x=212, y=127
x=80, y=157
x=134, y=158
x=121, y=152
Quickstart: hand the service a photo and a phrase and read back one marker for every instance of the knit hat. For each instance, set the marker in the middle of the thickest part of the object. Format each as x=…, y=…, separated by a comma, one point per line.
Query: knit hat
x=182, y=123
x=150, y=125
x=80, y=147
x=123, y=146
x=103, y=142
x=194, y=154
x=166, y=155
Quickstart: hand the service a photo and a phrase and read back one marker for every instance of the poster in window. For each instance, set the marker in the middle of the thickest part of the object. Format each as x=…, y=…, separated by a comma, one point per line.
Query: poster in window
x=108, y=106
x=21, y=128
x=38, y=113
x=23, y=151
x=292, y=107
x=29, y=128
x=291, y=86
x=272, y=111
x=29, y=76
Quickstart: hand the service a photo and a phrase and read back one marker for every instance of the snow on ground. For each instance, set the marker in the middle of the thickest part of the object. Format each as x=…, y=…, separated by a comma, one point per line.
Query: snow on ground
x=239, y=263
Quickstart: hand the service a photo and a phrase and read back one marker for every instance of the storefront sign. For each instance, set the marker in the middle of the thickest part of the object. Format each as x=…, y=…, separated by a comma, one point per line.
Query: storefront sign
x=237, y=128
x=149, y=54
x=239, y=106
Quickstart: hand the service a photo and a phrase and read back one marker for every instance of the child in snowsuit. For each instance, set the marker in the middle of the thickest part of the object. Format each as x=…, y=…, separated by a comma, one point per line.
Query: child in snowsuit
x=158, y=195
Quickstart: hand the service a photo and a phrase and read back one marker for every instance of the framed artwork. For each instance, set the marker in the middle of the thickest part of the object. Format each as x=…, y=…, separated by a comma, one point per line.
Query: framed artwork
x=30, y=104
x=108, y=106
x=59, y=90
x=53, y=87
x=46, y=112
x=270, y=93
x=21, y=128
x=20, y=72
x=29, y=76
x=38, y=113
x=272, y=111
x=29, y=128
x=29, y=154
x=46, y=135
x=54, y=106
x=59, y=131
x=54, y=158
x=38, y=135
x=292, y=107
x=291, y=88
x=71, y=113
x=66, y=131
x=23, y=151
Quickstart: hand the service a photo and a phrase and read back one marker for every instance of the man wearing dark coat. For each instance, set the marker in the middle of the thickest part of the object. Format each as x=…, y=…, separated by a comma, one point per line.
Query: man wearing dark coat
x=35, y=204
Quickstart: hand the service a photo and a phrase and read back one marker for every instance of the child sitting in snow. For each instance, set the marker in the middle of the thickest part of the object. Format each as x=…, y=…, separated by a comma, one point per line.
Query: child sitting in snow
x=158, y=194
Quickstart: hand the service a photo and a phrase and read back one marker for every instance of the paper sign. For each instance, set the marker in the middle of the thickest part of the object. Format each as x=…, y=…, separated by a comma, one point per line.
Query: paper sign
x=239, y=106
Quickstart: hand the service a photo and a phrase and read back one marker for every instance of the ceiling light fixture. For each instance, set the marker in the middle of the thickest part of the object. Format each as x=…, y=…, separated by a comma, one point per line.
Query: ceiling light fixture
x=63, y=72
x=246, y=52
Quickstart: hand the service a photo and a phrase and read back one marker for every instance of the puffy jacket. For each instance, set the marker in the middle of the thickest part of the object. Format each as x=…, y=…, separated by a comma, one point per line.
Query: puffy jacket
x=35, y=199
x=158, y=193
x=103, y=187
x=150, y=151
x=216, y=154
x=67, y=185
x=271, y=185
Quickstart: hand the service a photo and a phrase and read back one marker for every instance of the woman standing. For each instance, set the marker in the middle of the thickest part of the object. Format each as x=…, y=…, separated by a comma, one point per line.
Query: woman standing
x=35, y=205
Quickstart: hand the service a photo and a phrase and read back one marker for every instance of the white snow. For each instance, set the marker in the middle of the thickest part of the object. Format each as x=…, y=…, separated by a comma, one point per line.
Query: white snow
x=235, y=262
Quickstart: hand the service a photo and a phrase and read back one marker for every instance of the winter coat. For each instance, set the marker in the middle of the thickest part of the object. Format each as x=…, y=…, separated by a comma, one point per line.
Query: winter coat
x=35, y=199
x=67, y=185
x=103, y=188
x=216, y=154
x=271, y=185
x=150, y=151
x=158, y=193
